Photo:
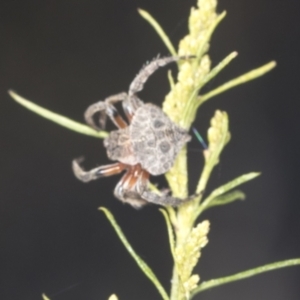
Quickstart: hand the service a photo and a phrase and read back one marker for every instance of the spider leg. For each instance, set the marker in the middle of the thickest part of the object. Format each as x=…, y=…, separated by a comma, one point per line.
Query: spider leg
x=96, y=173
x=143, y=181
x=106, y=108
x=139, y=81
x=153, y=197
x=164, y=199
x=125, y=189
x=130, y=105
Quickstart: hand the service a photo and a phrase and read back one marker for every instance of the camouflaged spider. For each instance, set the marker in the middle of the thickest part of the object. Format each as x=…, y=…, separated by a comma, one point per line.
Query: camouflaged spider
x=147, y=146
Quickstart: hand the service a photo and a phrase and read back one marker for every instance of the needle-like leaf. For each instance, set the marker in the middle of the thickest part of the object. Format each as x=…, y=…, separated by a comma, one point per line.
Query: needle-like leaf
x=245, y=274
x=56, y=118
x=141, y=263
x=158, y=30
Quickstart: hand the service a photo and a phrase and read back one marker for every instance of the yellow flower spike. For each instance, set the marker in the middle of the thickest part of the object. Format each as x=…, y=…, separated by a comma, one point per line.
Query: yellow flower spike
x=218, y=136
x=188, y=254
x=200, y=20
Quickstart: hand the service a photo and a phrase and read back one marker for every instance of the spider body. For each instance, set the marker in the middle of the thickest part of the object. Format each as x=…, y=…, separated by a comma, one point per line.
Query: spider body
x=148, y=145
x=151, y=140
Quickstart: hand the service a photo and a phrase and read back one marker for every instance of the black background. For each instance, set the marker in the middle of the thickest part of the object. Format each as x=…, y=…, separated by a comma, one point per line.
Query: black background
x=65, y=55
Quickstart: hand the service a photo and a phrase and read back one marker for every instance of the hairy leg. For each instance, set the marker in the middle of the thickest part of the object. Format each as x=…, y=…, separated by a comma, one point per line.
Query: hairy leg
x=139, y=81
x=162, y=199
x=106, y=108
x=125, y=189
x=102, y=171
x=130, y=105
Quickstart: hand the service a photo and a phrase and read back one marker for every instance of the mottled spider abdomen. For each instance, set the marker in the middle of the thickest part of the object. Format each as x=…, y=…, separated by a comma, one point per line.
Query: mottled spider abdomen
x=156, y=140
x=151, y=139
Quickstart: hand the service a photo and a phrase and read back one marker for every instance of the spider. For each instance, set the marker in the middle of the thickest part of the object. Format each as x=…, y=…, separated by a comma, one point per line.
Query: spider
x=148, y=145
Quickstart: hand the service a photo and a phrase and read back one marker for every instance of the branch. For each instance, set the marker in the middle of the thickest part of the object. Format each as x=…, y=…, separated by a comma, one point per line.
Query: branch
x=245, y=274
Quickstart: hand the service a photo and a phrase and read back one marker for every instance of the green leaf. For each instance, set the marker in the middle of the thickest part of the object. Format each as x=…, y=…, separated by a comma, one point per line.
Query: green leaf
x=158, y=30
x=253, y=74
x=142, y=264
x=170, y=232
x=192, y=103
x=56, y=118
x=234, y=183
x=215, y=195
x=226, y=199
x=218, y=68
x=245, y=274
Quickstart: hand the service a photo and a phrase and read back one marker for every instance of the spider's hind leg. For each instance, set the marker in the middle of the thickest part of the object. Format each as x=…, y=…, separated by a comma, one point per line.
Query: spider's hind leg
x=164, y=199
x=161, y=199
x=126, y=188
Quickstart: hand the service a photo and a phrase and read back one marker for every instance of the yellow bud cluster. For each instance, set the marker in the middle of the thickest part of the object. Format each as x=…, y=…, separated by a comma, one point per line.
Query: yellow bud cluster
x=188, y=254
x=191, y=72
x=192, y=283
x=218, y=135
x=180, y=103
x=199, y=22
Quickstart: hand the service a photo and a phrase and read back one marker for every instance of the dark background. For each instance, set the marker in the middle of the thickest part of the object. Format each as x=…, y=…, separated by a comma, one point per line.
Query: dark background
x=65, y=55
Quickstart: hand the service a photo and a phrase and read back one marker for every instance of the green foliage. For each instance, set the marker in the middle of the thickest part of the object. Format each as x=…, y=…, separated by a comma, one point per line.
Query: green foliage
x=59, y=119
x=141, y=263
x=246, y=274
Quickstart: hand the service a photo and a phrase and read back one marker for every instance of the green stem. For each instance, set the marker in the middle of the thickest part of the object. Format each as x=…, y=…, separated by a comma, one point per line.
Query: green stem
x=141, y=263
x=245, y=274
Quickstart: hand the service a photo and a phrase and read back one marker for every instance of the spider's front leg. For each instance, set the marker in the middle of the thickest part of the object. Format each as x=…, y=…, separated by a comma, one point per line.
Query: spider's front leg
x=106, y=108
x=139, y=81
x=102, y=171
